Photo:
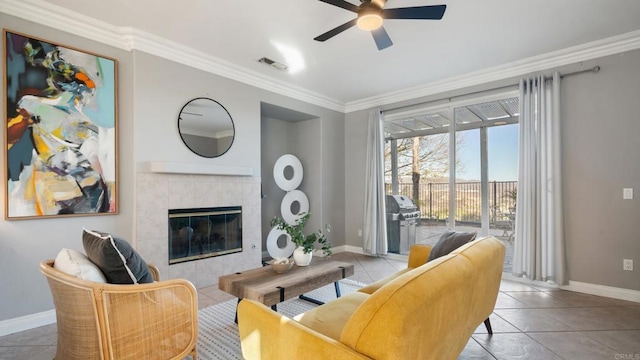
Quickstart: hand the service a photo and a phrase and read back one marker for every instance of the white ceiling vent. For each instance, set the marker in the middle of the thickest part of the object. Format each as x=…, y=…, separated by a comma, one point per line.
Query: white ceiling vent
x=273, y=63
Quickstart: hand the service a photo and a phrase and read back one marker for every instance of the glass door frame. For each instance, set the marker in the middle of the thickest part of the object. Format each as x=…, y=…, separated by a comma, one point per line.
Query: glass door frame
x=453, y=128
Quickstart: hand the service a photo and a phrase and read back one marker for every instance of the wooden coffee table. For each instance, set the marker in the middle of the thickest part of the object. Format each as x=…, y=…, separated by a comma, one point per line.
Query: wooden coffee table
x=266, y=286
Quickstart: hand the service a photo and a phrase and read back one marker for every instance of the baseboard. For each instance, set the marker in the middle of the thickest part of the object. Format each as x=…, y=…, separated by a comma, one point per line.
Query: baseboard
x=602, y=290
x=27, y=322
x=534, y=283
x=349, y=248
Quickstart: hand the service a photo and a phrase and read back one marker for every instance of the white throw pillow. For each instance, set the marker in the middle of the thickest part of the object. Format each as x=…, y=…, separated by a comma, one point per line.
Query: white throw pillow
x=78, y=264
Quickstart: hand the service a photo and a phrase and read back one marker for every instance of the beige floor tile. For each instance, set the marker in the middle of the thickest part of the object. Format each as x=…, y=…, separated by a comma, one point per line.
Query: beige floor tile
x=47, y=353
x=498, y=325
x=597, y=318
x=531, y=320
x=382, y=267
x=622, y=341
x=536, y=299
x=220, y=296
x=473, y=351
x=398, y=265
x=379, y=274
x=206, y=301
x=515, y=346
x=574, y=345
x=362, y=277
x=44, y=335
x=579, y=299
x=208, y=290
x=25, y=352
x=505, y=301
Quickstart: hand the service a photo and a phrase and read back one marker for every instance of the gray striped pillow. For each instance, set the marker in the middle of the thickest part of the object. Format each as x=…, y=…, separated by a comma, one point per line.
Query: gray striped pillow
x=115, y=257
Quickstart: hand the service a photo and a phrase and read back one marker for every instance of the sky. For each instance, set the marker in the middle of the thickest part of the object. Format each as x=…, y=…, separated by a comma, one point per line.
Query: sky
x=502, y=151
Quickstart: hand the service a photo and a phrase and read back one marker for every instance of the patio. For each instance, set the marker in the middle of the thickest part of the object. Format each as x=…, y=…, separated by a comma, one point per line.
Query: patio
x=429, y=235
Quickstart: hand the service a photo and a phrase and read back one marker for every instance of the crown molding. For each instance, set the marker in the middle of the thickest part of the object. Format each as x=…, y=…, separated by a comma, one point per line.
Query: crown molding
x=588, y=51
x=129, y=38
x=65, y=20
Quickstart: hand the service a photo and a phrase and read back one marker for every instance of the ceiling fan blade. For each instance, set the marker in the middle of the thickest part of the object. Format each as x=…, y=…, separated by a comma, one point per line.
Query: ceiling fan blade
x=381, y=37
x=431, y=12
x=342, y=4
x=335, y=31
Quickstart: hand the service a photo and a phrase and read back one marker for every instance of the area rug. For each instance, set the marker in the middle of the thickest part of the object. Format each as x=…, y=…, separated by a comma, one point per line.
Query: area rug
x=218, y=333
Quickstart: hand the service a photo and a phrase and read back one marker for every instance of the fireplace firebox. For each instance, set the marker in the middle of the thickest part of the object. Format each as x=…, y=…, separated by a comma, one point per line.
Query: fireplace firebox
x=204, y=232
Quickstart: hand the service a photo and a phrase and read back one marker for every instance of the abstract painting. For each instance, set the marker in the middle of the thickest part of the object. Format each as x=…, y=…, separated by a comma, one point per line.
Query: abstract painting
x=60, y=130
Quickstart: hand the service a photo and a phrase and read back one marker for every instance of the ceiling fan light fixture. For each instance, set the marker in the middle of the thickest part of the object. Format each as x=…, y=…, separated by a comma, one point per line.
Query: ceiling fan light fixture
x=369, y=22
x=369, y=18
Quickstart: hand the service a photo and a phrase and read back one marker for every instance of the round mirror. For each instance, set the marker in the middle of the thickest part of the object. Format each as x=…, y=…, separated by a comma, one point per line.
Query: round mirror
x=206, y=127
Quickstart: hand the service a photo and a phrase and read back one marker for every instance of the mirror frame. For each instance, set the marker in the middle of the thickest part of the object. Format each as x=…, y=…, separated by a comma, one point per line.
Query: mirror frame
x=230, y=119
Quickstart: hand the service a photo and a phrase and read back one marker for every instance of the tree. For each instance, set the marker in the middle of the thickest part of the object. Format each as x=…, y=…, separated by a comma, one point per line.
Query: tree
x=426, y=156
x=415, y=168
x=422, y=158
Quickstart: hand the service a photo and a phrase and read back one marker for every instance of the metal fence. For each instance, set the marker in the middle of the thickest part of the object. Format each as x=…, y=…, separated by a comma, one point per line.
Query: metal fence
x=433, y=200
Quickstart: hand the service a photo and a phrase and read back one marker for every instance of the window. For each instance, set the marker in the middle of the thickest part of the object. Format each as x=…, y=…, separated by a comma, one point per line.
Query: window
x=458, y=163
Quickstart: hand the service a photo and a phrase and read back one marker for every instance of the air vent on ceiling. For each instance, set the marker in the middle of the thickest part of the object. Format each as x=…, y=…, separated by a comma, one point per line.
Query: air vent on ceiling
x=273, y=63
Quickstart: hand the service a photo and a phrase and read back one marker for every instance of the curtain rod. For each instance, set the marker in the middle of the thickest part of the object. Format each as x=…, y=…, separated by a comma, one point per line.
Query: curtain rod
x=594, y=69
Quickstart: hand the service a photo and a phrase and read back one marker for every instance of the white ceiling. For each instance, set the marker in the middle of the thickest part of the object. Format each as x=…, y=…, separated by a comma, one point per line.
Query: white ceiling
x=473, y=35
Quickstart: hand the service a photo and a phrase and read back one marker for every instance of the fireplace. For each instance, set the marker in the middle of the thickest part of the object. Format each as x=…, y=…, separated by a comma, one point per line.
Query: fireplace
x=204, y=232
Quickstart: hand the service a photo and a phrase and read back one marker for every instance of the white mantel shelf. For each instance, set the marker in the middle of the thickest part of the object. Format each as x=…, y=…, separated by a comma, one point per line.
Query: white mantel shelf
x=168, y=167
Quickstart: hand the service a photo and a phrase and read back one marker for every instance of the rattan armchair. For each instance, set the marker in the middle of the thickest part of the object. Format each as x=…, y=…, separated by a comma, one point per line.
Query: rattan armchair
x=108, y=321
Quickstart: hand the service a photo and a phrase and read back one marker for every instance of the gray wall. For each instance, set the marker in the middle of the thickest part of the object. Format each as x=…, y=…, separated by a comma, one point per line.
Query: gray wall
x=600, y=156
x=162, y=87
x=355, y=133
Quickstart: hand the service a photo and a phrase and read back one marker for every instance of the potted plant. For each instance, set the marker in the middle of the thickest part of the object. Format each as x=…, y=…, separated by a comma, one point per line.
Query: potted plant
x=305, y=243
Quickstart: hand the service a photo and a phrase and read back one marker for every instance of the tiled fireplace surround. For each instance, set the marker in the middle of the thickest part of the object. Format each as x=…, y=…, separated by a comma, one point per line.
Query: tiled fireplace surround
x=156, y=193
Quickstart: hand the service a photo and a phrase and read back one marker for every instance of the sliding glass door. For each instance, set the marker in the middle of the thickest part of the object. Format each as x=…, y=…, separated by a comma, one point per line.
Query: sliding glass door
x=458, y=163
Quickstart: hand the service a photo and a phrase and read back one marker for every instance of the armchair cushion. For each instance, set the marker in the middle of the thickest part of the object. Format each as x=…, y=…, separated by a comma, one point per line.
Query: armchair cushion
x=115, y=257
x=449, y=241
x=77, y=264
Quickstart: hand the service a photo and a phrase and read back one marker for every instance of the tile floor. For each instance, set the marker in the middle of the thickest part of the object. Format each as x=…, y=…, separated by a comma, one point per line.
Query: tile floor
x=529, y=322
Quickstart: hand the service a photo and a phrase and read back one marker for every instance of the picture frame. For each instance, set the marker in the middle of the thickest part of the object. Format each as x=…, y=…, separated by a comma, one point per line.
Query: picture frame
x=60, y=130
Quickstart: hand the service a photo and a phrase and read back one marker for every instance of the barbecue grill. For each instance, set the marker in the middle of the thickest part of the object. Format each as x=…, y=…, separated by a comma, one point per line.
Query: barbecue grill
x=402, y=218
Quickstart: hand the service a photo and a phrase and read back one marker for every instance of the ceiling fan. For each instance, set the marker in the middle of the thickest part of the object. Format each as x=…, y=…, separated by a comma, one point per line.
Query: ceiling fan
x=371, y=14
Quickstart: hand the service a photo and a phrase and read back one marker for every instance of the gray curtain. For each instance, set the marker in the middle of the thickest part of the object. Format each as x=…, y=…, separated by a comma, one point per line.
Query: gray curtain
x=539, y=250
x=375, y=225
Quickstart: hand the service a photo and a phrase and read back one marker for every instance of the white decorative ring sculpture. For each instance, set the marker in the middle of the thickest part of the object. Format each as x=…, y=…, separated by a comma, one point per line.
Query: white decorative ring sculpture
x=278, y=172
x=272, y=244
x=285, y=207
